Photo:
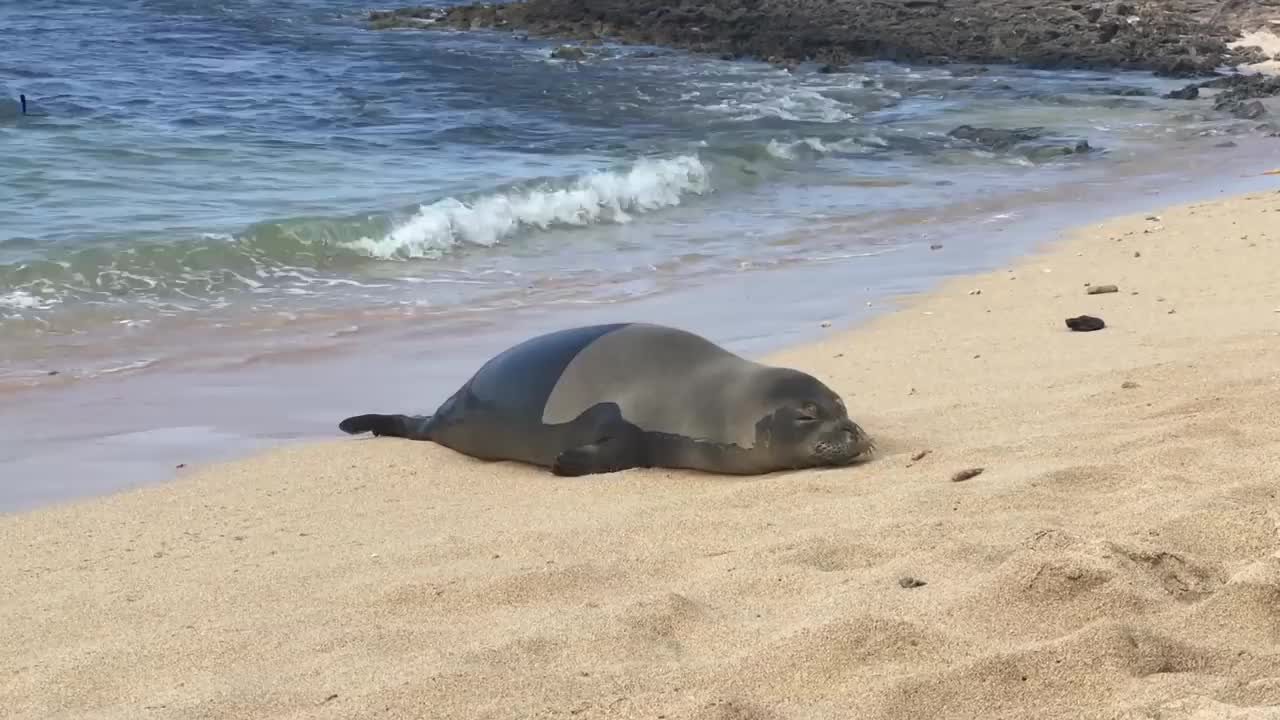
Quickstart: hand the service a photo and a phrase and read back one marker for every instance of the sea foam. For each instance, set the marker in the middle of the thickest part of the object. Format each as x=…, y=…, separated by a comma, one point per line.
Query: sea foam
x=601, y=197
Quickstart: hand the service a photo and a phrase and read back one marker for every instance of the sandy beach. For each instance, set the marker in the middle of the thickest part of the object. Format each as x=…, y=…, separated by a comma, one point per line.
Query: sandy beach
x=1119, y=557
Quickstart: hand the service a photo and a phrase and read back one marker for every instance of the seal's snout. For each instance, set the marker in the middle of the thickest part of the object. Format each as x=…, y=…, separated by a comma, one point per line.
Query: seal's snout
x=860, y=443
x=843, y=444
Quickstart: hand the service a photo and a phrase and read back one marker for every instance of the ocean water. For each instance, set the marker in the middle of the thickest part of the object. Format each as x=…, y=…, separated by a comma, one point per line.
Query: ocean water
x=201, y=180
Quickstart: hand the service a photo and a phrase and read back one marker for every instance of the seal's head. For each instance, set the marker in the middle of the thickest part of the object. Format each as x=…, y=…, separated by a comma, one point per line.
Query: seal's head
x=808, y=425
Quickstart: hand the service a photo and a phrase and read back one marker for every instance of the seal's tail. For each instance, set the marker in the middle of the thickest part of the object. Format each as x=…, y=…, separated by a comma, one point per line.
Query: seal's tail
x=404, y=426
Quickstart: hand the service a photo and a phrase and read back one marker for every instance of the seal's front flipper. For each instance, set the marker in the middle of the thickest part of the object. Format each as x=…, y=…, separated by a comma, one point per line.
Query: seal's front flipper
x=603, y=456
x=405, y=426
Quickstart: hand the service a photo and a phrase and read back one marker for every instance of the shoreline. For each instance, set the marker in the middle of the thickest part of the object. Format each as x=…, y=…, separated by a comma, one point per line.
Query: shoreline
x=1119, y=557
x=203, y=416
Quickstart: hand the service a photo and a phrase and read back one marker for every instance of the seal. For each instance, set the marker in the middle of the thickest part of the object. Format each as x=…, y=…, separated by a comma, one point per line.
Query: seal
x=604, y=398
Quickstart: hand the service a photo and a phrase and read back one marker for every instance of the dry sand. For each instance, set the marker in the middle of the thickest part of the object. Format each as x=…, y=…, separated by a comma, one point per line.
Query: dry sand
x=1117, y=559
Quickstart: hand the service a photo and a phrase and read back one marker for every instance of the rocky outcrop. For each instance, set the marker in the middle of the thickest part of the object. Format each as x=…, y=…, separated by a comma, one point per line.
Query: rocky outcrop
x=1034, y=142
x=1171, y=37
x=1237, y=94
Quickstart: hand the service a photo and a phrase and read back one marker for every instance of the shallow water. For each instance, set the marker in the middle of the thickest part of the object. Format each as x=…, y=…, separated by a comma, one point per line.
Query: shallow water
x=216, y=187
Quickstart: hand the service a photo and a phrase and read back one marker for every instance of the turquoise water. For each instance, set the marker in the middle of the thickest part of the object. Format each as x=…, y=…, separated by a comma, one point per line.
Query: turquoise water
x=246, y=166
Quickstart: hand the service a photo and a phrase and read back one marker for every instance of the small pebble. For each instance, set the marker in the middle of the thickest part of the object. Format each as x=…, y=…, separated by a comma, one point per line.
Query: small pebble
x=825, y=323
x=1153, y=218
x=181, y=465
x=936, y=246
x=975, y=291
x=909, y=582
x=920, y=455
x=1128, y=384
x=1101, y=289
x=1137, y=254
x=967, y=474
x=1085, y=323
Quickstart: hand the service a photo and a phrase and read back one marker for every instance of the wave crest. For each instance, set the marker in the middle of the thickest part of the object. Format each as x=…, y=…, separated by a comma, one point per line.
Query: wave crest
x=602, y=197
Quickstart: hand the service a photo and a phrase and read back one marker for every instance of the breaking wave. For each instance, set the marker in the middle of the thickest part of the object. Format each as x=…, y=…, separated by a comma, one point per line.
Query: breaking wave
x=602, y=197
x=297, y=254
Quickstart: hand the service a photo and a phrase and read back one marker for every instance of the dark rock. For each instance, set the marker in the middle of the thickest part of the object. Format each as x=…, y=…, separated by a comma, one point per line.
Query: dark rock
x=1251, y=110
x=405, y=18
x=996, y=138
x=908, y=582
x=968, y=474
x=1189, y=92
x=569, y=52
x=1172, y=37
x=1129, y=92
x=1178, y=67
x=1085, y=323
x=1004, y=139
x=1238, y=90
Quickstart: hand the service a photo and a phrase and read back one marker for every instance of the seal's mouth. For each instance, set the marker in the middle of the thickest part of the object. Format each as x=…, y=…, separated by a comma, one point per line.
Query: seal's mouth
x=845, y=452
x=851, y=445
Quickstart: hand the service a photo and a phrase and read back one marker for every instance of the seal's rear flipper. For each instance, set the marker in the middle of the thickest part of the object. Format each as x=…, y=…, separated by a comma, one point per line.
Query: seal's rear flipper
x=404, y=426
x=604, y=456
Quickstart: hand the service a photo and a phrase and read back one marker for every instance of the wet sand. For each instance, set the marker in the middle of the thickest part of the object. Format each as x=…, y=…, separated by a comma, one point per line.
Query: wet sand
x=1118, y=557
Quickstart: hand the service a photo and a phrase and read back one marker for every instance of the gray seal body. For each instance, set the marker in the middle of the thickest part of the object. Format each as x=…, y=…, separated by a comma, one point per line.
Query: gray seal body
x=604, y=398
